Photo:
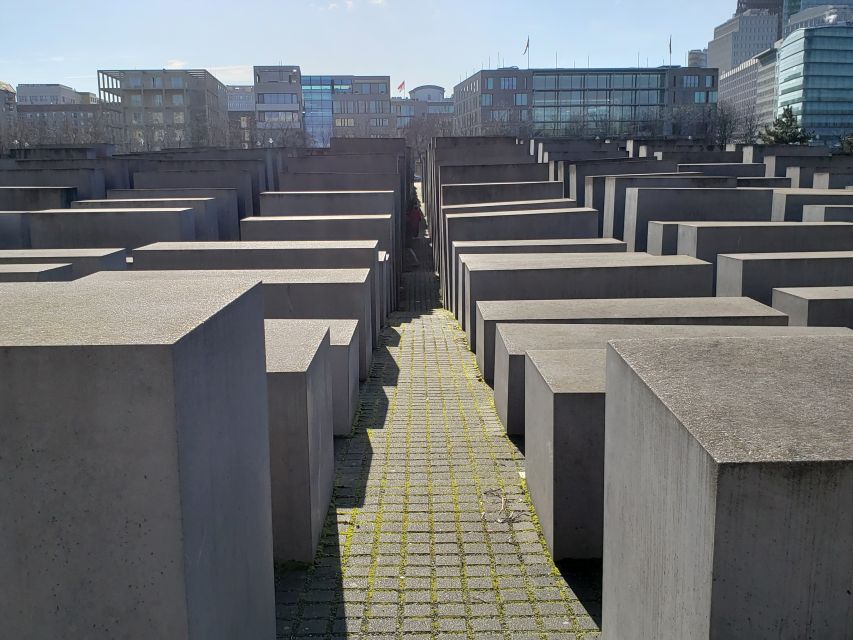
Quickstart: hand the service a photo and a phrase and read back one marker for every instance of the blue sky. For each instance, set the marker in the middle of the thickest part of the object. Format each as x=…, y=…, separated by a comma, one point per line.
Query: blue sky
x=419, y=41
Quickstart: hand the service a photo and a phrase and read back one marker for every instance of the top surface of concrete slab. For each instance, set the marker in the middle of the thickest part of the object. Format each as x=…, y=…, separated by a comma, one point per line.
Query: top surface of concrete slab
x=344, y=218
x=556, y=242
x=525, y=212
x=340, y=331
x=754, y=400
x=11, y=254
x=291, y=348
x=269, y=276
x=109, y=313
x=819, y=293
x=571, y=370
x=119, y=201
x=31, y=267
x=319, y=193
x=290, y=245
x=451, y=207
x=804, y=255
x=499, y=310
x=756, y=224
x=502, y=184
x=529, y=261
x=84, y=211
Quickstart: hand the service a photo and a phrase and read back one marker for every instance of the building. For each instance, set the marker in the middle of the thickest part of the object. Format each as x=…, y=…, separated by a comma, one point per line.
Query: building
x=815, y=78
x=8, y=115
x=426, y=103
x=739, y=87
x=587, y=103
x=697, y=58
x=767, y=87
x=44, y=94
x=742, y=37
x=278, y=105
x=167, y=107
x=821, y=16
x=775, y=7
x=242, y=129
x=792, y=7
x=240, y=97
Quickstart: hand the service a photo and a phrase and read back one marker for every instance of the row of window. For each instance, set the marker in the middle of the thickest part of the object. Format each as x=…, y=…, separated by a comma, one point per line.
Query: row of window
x=350, y=122
x=693, y=82
x=175, y=82
x=156, y=117
x=613, y=81
x=549, y=98
x=278, y=116
x=177, y=100
x=506, y=84
x=277, y=98
x=486, y=100
x=359, y=106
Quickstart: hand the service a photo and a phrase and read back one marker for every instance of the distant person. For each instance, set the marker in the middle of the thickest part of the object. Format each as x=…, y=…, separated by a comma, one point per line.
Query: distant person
x=413, y=221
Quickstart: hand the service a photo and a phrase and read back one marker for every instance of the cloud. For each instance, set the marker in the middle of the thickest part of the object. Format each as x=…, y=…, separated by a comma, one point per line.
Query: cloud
x=377, y=1
x=349, y=4
x=176, y=64
x=234, y=73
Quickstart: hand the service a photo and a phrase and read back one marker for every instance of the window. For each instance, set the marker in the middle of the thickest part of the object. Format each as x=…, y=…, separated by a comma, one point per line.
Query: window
x=344, y=122
x=157, y=82
x=509, y=84
x=700, y=97
x=490, y=83
x=136, y=100
x=690, y=82
x=486, y=100
x=244, y=122
x=500, y=115
x=178, y=99
x=712, y=97
x=709, y=82
x=157, y=117
x=177, y=83
x=520, y=99
x=158, y=99
x=403, y=121
x=277, y=98
x=135, y=82
x=178, y=117
x=136, y=117
x=379, y=122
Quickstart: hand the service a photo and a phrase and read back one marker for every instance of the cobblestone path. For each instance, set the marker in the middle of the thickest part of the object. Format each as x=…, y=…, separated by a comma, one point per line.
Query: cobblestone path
x=431, y=534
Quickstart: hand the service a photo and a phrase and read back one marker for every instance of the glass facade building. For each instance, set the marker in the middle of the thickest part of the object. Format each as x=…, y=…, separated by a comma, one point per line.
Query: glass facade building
x=317, y=101
x=815, y=76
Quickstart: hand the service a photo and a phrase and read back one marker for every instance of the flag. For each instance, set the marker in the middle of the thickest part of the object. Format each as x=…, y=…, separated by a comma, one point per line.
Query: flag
x=402, y=87
x=670, y=45
x=526, y=46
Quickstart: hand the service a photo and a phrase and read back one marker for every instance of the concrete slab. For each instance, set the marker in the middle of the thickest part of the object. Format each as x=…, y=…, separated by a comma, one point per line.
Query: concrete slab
x=511, y=205
x=827, y=213
x=302, y=456
x=643, y=206
x=484, y=192
x=763, y=429
x=300, y=294
x=313, y=203
x=511, y=337
x=459, y=250
x=24, y=198
x=109, y=228
x=34, y=272
x=134, y=421
x=816, y=306
x=83, y=261
x=205, y=210
x=757, y=274
x=788, y=203
x=558, y=276
x=732, y=169
x=14, y=230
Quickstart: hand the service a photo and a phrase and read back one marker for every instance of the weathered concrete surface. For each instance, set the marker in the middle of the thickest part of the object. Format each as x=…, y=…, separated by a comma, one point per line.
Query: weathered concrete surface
x=227, y=209
x=500, y=192
x=461, y=249
x=757, y=274
x=206, y=218
x=136, y=480
x=34, y=272
x=514, y=337
x=511, y=205
x=729, y=475
x=109, y=228
x=816, y=306
x=302, y=459
x=297, y=294
x=238, y=181
x=36, y=198
x=603, y=275
x=732, y=169
x=788, y=203
x=827, y=213
x=314, y=203
x=643, y=206
x=14, y=230
x=83, y=261
x=764, y=183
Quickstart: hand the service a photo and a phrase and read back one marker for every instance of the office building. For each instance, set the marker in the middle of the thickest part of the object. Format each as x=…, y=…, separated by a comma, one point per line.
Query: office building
x=278, y=105
x=586, y=103
x=240, y=97
x=820, y=16
x=43, y=94
x=697, y=58
x=815, y=79
x=242, y=129
x=426, y=104
x=168, y=107
x=742, y=37
x=774, y=7
x=767, y=87
x=792, y=7
x=8, y=115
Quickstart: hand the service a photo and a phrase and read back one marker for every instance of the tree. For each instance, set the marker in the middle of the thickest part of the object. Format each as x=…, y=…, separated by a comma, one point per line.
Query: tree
x=785, y=129
x=726, y=122
x=749, y=126
x=847, y=143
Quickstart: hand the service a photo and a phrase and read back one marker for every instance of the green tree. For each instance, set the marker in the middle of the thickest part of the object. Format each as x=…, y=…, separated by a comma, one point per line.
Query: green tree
x=847, y=143
x=785, y=129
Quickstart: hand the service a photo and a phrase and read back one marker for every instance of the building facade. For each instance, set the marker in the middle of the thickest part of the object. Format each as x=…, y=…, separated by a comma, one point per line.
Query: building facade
x=425, y=104
x=587, y=103
x=815, y=77
x=775, y=7
x=278, y=105
x=168, y=107
x=697, y=58
x=48, y=94
x=825, y=15
x=8, y=115
x=742, y=37
x=242, y=129
x=767, y=87
x=792, y=7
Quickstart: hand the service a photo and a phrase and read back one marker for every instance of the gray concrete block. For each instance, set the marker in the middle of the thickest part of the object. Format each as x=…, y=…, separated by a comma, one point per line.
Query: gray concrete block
x=14, y=230
x=511, y=205
x=816, y=306
x=34, y=272
x=707, y=240
x=514, y=336
x=227, y=210
x=757, y=274
x=205, y=210
x=238, y=181
x=136, y=481
x=764, y=183
x=83, y=261
x=732, y=169
x=827, y=213
x=788, y=203
x=318, y=203
x=291, y=294
x=557, y=276
x=302, y=456
x=643, y=206
x=22, y=198
x=461, y=249
x=728, y=485
x=484, y=192
x=109, y=228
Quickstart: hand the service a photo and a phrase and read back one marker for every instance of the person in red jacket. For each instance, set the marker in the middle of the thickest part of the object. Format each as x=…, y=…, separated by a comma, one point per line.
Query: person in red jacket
x=413, y=221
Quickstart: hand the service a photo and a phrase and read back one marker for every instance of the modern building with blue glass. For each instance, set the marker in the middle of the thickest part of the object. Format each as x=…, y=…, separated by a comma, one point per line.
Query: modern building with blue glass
x=815, y=76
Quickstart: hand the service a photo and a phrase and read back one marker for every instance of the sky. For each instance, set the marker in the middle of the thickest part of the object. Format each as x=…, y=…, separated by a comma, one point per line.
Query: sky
x=416, y=41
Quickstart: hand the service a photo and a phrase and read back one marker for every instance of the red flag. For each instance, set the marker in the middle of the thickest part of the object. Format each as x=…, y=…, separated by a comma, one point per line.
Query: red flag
x=526, y=46
x=402, y=87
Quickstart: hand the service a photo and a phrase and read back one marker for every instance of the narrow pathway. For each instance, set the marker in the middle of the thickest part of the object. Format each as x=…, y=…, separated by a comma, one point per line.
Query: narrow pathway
x=430, y=534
